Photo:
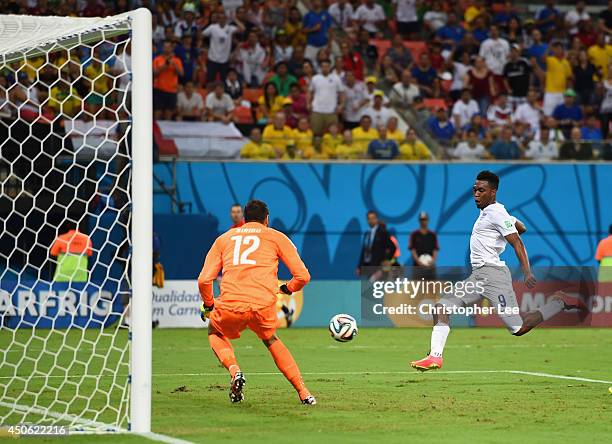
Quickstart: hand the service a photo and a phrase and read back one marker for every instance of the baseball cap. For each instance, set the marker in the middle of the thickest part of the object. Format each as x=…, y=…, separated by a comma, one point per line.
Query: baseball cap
x=371, y=79
x=379, y=93
x=423, y=215
x=515, y=46
x=569, y=93
x=189, y=7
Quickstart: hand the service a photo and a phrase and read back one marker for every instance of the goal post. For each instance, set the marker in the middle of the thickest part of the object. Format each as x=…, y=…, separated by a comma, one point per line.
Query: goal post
x=142, y=141
x=76, y=222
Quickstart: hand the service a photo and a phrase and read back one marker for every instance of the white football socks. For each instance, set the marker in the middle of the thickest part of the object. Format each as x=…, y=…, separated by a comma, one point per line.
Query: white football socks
x=438, y=339
x=551, y=308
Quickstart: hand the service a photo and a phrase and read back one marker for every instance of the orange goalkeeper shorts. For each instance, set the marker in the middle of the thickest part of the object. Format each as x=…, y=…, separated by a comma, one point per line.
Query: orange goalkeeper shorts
x=231, y=323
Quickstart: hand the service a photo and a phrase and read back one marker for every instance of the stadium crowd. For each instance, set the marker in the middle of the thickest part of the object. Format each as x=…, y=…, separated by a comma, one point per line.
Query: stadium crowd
x=470, y=79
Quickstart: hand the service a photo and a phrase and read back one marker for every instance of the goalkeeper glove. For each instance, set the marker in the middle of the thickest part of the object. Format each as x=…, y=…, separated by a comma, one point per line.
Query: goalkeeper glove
x=285, y=289
x=205, y=311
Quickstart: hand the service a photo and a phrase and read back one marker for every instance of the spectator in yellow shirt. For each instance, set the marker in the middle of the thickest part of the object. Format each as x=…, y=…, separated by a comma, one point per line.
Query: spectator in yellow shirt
x=364, y=133
x=393, y=132
x=413, y=148
x=331, y=140
x=256, y=148
x=600, y=55
x=269, y=104
x=278, y=135
x=302, y=135
x=64, y=98
x=476, y=9
x=556, y=78
x=348, y=149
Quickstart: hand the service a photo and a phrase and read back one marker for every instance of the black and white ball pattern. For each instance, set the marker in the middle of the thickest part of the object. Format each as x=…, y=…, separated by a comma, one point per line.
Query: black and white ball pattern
x=343, y=327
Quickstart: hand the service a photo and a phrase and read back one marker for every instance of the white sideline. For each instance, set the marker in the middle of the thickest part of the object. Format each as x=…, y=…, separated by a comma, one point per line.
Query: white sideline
x=108, y=429
x=400, y=372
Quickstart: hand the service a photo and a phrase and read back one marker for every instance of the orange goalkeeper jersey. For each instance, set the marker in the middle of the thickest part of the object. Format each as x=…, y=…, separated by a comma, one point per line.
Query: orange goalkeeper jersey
x=248, y=256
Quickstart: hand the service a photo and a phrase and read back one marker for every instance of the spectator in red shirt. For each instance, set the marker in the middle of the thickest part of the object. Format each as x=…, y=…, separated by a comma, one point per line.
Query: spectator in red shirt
x=298, y=102
x=352, y=61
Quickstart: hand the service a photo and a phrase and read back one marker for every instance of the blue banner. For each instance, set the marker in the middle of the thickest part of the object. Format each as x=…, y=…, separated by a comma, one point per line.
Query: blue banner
x=323, y=206
x=28, y=304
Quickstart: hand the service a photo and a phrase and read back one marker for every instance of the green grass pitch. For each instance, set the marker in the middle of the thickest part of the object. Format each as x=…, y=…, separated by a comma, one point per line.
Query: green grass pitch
x=368, y=393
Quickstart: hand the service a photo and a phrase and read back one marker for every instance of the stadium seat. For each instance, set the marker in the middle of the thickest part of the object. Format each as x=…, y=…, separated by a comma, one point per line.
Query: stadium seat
x=243, y=115
x=433, y=104
x=382, y=46
x=252, y=94
x=416, y=48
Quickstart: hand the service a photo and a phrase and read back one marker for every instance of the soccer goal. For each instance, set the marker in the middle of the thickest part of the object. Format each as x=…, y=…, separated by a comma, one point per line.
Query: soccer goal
x=76, y=222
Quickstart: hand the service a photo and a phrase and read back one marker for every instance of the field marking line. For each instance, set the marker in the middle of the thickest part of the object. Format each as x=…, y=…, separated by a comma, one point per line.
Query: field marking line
x=356, y=373
x=62, y=416
x=549, y=375
x=103, y=428
x=161, y=438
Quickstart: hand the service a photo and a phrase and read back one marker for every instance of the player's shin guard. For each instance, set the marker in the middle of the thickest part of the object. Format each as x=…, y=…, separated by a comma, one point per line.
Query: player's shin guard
x=225, y=352
x=438, y=339
x=287, y=365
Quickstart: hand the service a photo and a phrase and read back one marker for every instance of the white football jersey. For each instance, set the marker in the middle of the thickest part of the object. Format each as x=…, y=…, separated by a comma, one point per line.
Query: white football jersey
x=488, y=235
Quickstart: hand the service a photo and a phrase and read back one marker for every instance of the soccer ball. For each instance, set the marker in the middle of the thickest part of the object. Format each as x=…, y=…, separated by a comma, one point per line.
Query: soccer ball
x=425, y=259
x=343, y=327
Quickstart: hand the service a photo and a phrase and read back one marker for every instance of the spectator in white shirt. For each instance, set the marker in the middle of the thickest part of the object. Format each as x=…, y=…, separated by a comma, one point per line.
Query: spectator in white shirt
x=406, y=18
x=380, y=115
x=251, y=58
x=470, y=149
x=342, y=13
x=494, y=51
x=187, y=25
x=325, y=99
x=464, y=109
x=529, y=113
x=219, y=105
x=500, y=113
x=355, y=100
x=370, y=16
x=403, y=93
x=544, y=148
x=220, y=35
x=435, y=18
x=189, y=103
x=573, y=17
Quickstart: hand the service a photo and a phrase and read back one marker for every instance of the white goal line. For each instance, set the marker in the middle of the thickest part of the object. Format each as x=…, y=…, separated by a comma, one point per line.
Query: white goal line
x=355, y=373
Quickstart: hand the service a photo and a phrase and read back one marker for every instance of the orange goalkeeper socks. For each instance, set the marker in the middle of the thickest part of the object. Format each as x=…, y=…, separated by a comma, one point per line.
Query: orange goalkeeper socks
x=287, y=365
x=225, y=353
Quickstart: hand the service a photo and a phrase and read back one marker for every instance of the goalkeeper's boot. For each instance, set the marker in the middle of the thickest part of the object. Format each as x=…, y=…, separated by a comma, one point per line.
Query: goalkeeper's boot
x=427, y=363
x=309, y=400
x=236, y=387
x=570, y=302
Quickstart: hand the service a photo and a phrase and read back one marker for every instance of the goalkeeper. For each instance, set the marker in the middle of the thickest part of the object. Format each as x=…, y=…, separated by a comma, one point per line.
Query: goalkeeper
x=248, y=256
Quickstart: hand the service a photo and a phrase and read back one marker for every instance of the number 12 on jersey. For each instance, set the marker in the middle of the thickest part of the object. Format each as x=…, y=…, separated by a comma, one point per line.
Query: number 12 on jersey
x=243, y=259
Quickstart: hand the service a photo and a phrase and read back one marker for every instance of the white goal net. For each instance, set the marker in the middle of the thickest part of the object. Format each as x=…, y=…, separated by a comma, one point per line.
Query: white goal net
x=68, y=272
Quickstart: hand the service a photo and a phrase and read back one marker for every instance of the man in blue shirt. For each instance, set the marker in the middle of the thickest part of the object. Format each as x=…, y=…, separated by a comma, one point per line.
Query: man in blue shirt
x=591, y=131
x=506, y=148
x=316, y=26
x=452, y=33
x=383, y=148
x=547, y=17
x=440, y=127
x=568, y=114
x=426, y=76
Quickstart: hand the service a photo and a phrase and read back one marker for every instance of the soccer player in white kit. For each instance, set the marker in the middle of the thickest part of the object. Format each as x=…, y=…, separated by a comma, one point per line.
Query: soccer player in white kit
x=493, y=229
